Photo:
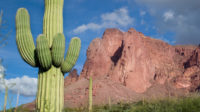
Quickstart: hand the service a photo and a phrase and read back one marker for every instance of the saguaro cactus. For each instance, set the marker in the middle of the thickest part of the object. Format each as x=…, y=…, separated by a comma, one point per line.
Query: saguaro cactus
x=48, y=54
x=90, y=95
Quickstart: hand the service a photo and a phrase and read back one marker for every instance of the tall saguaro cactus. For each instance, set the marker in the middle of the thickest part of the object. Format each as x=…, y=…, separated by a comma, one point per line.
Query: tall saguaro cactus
x=48, y=54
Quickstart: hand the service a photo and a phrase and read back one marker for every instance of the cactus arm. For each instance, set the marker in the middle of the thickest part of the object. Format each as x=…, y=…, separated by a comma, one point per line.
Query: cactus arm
x=72, y=55
x=43, y=52
x=58, y=49
x=24, y=37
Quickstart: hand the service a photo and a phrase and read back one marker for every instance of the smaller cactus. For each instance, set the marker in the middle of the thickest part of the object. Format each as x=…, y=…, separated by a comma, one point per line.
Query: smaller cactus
x=109, y=102
x=43, y=52
x=90, y=95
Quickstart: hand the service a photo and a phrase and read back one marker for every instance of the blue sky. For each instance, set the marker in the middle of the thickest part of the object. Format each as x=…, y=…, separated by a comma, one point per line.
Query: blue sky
x=174, y=21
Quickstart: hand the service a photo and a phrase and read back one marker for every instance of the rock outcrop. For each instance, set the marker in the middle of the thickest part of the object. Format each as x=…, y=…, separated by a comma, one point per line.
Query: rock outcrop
x=126, y=66
x=129, y=66
x=137, y=61
x=71, y=78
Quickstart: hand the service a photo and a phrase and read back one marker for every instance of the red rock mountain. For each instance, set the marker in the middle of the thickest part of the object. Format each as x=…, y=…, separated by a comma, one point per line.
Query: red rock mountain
x=128, y=66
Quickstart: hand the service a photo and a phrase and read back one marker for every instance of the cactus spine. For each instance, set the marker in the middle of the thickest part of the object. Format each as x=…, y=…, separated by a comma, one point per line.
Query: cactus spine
x=48, y=55
x=90, y=95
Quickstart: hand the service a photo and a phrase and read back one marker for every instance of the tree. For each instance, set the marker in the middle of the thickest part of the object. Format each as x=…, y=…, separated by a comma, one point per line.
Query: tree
x=4, y=84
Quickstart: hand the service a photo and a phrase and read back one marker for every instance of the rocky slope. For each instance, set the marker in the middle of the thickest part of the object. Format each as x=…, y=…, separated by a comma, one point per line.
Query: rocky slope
x=128, y=66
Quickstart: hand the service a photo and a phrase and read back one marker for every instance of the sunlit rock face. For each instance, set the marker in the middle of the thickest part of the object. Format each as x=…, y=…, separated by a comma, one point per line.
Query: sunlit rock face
x=137, y=61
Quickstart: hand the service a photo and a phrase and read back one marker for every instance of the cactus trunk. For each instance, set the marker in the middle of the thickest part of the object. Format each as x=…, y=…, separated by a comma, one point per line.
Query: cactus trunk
x=50, y=97
x=51, y=83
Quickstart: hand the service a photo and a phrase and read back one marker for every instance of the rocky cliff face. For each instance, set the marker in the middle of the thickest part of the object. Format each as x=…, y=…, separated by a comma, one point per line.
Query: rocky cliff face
x=137, y=61
x=71, y=78
x=128, y=66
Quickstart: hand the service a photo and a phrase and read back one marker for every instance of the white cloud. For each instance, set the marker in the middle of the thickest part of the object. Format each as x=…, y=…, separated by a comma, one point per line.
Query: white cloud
x=168, y=15
x=27, y=86
x=90, y=26
x=117, y=18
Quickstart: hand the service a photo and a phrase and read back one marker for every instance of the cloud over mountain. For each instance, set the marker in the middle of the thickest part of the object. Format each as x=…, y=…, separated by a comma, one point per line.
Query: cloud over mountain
x=117, y=18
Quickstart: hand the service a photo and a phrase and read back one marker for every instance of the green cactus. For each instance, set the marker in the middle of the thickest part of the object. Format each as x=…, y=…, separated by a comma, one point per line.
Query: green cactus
x=72, y=54
x=58, y=49
x=90, y=95
x=48, y=55
x=43, y=52
x=24, y=37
